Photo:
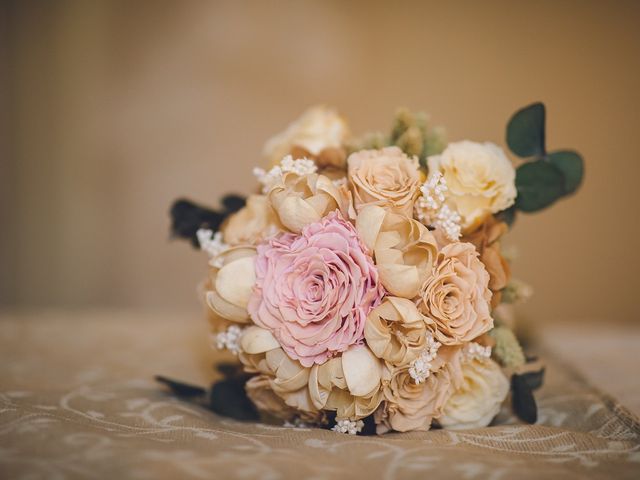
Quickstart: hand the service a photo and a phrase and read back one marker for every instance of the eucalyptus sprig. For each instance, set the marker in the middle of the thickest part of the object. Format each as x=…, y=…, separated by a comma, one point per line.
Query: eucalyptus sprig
x=545, y=177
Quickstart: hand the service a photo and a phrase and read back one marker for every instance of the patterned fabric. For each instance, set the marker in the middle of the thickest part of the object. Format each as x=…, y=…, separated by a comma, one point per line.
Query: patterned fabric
x=77, y=401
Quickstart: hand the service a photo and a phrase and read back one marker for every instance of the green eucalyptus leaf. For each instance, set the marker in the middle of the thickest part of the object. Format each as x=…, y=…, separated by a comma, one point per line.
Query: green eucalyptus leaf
x=571, y=165
x=534, y=379
x=508, y=216
x=539, y=184
x=525, y=131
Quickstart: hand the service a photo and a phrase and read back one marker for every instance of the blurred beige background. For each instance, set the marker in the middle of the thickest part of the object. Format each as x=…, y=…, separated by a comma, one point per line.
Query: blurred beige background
x=111, y=109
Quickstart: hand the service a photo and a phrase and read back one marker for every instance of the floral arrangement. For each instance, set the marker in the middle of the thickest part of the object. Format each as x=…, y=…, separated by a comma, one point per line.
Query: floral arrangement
x=360, y=288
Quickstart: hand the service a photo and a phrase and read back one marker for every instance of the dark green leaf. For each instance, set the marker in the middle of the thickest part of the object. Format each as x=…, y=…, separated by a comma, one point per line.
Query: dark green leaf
x=524, y=403
x=229, y=370
x=539, y=184
x=181, y=389
x=534, y=379
x=525, y=131
x=228, y=398
x=571, y=165
x=188, y=217
x=507, y=216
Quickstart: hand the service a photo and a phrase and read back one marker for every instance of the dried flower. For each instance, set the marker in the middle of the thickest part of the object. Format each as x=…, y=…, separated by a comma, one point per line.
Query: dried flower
x=480, y=180
x=403, y=248
x=386, y=178
x=457, y=296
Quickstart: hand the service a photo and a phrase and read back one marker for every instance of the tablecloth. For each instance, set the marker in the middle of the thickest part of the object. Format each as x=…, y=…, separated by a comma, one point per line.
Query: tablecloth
x=78, y=400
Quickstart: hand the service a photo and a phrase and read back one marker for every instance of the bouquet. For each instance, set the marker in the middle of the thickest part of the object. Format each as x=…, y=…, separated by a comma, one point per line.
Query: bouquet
x=360, y=287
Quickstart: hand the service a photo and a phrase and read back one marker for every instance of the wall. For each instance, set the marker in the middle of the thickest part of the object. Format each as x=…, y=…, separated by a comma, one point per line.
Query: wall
x=116, y=108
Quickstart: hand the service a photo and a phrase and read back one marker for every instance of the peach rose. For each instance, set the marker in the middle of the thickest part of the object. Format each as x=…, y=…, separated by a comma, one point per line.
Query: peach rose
x=252, y=224
x=477, y=401
x=386, y=178
x=396, y=331
x=411, y=406
x=301, y=200
x=457, y=296
x=404, y=249
x=486, y=239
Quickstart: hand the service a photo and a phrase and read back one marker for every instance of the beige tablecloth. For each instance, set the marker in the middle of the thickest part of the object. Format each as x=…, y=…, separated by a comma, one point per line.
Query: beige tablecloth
x=77, y=401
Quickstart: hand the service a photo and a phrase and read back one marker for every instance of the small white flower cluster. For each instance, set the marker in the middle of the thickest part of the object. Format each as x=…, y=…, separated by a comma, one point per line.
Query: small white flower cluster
x=230, y=339
x=301, y=167
x=212, y=244
x=431, y=208
x=348, y=426
x=475, y=350
x=420, y=368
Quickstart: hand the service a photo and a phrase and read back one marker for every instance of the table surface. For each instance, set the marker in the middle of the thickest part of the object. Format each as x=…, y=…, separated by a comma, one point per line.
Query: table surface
x=77, y=401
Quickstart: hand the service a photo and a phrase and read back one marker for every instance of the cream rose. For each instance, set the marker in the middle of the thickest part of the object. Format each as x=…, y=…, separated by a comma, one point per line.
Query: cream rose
x=457, y=296
x=477, y=401
x=252, y=224
x=301, y=200
x=350, y=384
x=260, y=352
x=403, y=248
x=396, y=331
x=409, y=405
x=319, y=132
x=479, y=177
x=386, y=178
x=230, y=285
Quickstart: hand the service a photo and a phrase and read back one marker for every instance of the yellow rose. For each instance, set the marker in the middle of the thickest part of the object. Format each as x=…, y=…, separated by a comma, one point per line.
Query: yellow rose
x=403, y=248
x=301, y=200
x=350, y=384
x=396, y=331
x=477, y=401
x=386, y=178
x=319, y=134
x=252, y=224
x=479, y=177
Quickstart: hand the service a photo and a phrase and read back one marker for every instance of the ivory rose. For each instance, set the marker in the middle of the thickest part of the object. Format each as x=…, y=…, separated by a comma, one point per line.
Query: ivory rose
x=300, y=200
x=386, y=178
x=409, y=405
x=229, y=287
x=319, y=133
x=253, y=223
x=350, y=384
x=396, y=331
x=314, y=291
x=404, y=249
x=477, y=401
x=479, y=177
x=457, y=296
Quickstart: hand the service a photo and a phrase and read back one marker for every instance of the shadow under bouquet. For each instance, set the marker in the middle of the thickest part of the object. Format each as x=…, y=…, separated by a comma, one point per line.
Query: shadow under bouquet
x=360, y=287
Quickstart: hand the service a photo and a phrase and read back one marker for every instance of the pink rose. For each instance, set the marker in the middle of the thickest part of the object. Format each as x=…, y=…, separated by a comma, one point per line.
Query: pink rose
x=314, y=291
